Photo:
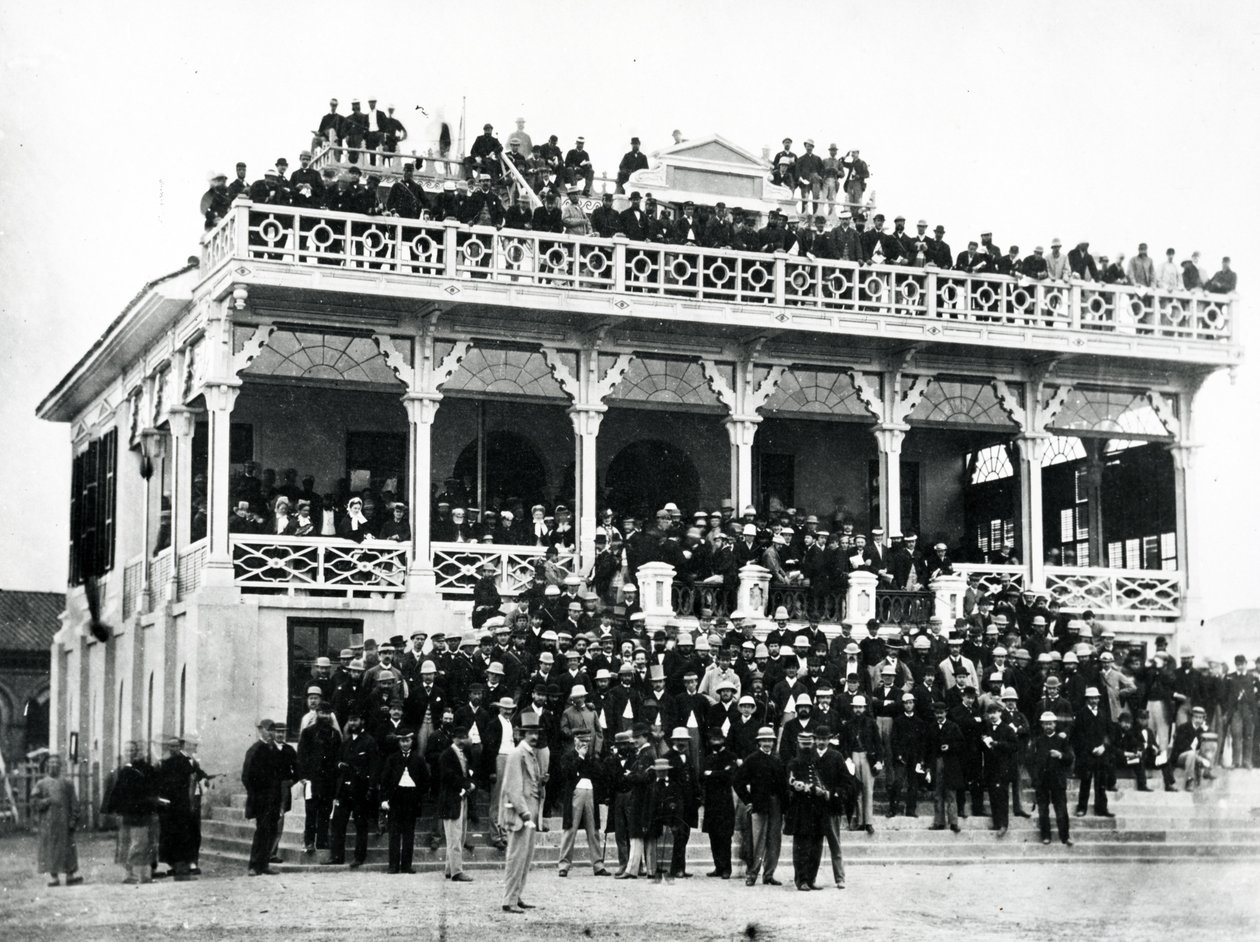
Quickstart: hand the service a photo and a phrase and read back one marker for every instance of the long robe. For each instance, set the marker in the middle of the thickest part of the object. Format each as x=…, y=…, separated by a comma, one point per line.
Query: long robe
x=57, y=810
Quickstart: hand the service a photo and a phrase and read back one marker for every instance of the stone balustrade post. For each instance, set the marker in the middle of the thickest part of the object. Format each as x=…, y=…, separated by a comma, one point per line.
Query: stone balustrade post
x=949, y=591
x=656, y=583
x=754, y=590
x=861, y=600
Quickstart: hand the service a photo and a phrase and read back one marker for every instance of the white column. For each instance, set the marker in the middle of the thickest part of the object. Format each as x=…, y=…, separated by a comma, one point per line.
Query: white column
x=586, y=421
x=220, y=398
x=949, y=597
x=421, y=411
x=1032, y=448
x=183, y=422
x=1187, y=537
x=742, y=430
x=889, y=437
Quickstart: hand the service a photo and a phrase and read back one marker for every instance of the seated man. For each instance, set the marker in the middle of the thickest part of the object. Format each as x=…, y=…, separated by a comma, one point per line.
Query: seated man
x=483, y=156
x=577, y=166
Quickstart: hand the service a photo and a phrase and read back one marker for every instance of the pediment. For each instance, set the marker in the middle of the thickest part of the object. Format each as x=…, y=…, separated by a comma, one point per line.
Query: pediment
x=712, y=149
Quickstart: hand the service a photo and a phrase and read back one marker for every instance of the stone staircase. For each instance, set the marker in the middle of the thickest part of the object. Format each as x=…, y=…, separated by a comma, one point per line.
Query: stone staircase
x=1221, y=821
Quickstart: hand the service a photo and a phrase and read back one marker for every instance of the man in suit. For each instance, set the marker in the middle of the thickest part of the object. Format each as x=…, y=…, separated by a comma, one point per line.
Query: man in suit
x=945, y=753
x=331, y=129
x=951, y=665
x=631, y=161
x=581, y=789
x=403, y=781
x=357, y=770
x=483, y=156
x=845, y=244
x=406, y=197
x=318, y=752
x=1092, y=731
x=1082, y=263
x=455, y=785
x=519, y=811
x=354, y=130
x=907, y=749
x=761, y=784
x=1240, y=711
x=1186, y=750
x=999, y=742
x=1049, y=758
x=577, y=166
x=261, y=778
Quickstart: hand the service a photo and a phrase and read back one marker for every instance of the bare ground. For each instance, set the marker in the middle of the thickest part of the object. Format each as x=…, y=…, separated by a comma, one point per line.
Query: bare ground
x=1043, y=902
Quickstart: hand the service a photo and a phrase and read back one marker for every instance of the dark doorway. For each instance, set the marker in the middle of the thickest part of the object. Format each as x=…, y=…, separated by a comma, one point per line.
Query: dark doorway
x=377, y=461
x=310, y=639
x=646, y=475
x=777, y=481
x=513, y=469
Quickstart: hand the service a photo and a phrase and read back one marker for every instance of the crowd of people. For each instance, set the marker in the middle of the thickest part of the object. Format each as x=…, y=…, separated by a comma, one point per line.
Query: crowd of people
x=559, y=705
x=651, y=735
x=487, y=195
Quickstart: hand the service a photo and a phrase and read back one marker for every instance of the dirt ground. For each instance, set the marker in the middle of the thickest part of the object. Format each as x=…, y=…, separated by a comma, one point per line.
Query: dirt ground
x=1030, y=901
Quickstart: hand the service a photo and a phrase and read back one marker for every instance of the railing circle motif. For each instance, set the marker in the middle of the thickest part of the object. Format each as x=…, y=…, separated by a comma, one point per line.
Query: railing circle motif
x=473, y=250
x=373, y=239
x=719, y=274
x=642, y=266
x=910, y=291
x=800, y=279
x=985, y=295
x=948, y=293
x=423, y=246
x=514, y=253
x=873, y=285
x=681, y=268
x=596, y=261
x=322, y=236
x=838, y=283
x=1098, y=305
x=1213, y=316
x=1021, y=298
x=758, y=276
x=270, y=230
x=557, y=257
x=1176, y=313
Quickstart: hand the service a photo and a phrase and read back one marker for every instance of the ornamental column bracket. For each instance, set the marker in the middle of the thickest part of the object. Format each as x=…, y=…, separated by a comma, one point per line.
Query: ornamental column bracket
x=253, y=346
x=587, y=391
x=395, y=359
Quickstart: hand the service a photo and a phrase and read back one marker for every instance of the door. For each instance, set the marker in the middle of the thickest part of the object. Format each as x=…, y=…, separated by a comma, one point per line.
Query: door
x=377, y=461
x=311, y=638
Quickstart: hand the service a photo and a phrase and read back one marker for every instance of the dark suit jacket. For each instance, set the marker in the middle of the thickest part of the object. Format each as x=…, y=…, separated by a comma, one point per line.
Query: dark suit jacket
x=393, y=770
x=261, y=778
x=761, y=779
x=454, y=784
x=1047, y=771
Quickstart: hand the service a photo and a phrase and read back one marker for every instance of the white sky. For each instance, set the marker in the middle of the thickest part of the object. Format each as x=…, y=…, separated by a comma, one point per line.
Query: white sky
x=1119, y=122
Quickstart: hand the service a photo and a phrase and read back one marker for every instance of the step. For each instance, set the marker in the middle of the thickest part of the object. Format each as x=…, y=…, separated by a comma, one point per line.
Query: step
x=870, y=854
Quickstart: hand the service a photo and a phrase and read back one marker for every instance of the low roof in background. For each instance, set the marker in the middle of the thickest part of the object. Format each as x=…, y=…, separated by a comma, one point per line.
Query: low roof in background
x=28, y=620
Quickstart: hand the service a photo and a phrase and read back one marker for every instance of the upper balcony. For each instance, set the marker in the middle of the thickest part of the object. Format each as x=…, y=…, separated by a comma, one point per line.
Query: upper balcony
x=290, y=249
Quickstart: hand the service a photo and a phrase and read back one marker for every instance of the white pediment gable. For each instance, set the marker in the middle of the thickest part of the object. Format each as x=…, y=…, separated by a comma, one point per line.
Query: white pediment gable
x=712, y=151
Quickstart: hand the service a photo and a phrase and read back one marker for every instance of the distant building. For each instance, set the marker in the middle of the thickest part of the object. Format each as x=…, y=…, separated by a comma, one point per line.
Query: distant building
x=28, y=622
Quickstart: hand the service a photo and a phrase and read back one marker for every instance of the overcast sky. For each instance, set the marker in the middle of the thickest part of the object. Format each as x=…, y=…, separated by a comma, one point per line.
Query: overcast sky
x=1119, y=122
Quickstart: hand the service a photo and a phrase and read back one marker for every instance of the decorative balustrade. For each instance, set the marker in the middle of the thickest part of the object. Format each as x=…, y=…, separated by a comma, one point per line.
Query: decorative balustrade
x=1112, y=592
x=388, y=164
x=192, y=561
x=991, y=578
x=161, y=570
x=133, y=577
x=690, y=600
x=895, y=607
x=803, y=604
x=298, y=563
x=458, y=566
x=432, y=249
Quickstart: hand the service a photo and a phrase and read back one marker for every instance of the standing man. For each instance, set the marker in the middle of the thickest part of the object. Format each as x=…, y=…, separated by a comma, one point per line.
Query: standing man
x=945, y=752
x=403, y=781
x=1049, y=759
x=357, y=769
x=261, y=778
x=1240, y=712
x=632, y=160
x=720, y=766
x=999, y=752
x=580, y=790
x=178, y=778
x=855, y=185
x=761, y=783
x=455, y=784
x=331, y=130
x=519, y=809
x=319, y=747
x=806, y=816
x=1092, y=730
x=840, y=787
